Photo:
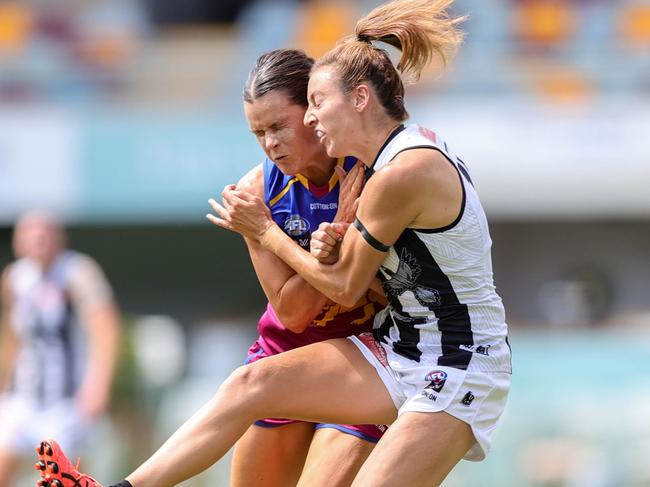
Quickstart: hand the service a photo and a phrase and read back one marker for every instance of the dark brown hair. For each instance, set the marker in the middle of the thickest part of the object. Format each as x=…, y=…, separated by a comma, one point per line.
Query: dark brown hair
x=283, y=69
x=420, y=29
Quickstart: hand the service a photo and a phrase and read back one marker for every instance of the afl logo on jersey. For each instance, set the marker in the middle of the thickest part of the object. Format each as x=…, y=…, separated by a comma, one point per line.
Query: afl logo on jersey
x=298, y=229
x=296, y=226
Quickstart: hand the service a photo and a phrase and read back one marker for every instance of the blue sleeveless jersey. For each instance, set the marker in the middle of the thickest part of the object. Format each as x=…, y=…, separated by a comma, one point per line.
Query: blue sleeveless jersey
x=296, y=208
x=299, y=210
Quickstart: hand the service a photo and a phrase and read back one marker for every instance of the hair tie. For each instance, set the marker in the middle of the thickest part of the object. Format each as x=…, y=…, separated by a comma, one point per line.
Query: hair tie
x=364, y=38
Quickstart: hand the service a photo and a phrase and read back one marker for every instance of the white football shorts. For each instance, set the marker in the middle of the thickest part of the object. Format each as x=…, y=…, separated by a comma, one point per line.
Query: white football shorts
x=477, y=398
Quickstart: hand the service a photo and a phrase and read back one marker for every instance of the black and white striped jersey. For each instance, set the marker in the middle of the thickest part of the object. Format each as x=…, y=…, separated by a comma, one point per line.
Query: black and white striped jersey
x=443, y=306
x=45, y=312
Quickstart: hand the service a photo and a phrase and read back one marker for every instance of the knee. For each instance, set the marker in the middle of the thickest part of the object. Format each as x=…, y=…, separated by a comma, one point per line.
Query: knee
x=243, y=385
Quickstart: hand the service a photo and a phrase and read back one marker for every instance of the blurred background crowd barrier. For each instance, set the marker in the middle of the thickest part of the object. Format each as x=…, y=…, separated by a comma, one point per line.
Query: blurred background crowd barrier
x=124, y=117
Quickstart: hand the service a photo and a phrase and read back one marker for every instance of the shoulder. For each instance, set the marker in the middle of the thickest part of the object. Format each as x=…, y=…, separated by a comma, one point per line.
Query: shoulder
x=422, y=180
x=9, y=278
x=253, y=181
x=413, y=168
x=20, y=270
x=86, y=280
x=82, y=267
x=80, y=259
x=426, y=166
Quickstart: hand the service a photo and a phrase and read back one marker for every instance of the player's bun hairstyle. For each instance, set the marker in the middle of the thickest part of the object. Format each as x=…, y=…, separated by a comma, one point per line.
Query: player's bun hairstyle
x=420, y=29
x=283, y=69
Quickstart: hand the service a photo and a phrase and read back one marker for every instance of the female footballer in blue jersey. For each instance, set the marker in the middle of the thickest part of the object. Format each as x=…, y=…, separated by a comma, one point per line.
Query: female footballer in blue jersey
x=299, y=183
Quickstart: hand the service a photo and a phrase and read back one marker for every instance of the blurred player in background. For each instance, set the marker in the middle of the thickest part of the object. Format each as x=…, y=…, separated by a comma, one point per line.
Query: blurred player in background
x=300, y=186
x=53, y=301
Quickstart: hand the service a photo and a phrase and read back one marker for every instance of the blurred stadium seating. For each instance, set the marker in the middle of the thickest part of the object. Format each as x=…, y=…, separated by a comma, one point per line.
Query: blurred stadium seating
x=124, y=116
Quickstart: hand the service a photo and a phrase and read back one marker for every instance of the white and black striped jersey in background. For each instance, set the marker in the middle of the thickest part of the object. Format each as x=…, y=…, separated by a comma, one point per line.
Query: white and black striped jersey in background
x=443, y=306
x=44, y=317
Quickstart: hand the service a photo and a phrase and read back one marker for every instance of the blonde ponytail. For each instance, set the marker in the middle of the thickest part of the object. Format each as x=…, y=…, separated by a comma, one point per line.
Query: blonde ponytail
x=418, y=28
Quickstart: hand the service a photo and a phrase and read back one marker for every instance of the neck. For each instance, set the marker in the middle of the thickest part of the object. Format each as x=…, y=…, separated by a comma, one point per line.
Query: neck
x=320, y=169
x=374, y=139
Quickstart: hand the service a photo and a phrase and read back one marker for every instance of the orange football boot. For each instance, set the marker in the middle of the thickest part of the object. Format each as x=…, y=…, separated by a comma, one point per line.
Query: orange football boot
x=57, y=470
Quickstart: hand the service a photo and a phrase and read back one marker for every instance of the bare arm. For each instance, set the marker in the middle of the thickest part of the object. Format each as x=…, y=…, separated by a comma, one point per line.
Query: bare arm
x=9, y=340
x=92, y=297
x=325, y=245
x=423, y=191
x=345, y=280
x=294, y=301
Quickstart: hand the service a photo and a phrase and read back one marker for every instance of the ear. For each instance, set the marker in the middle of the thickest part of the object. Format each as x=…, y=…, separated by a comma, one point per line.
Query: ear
x=361, y=97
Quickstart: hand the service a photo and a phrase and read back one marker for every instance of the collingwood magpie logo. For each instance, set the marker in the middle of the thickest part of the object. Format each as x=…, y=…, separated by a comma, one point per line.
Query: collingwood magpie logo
x=405, y=279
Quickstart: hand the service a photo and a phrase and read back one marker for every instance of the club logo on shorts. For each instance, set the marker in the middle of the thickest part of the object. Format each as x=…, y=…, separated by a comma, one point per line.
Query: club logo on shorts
x=437, y=378
x=467, y=399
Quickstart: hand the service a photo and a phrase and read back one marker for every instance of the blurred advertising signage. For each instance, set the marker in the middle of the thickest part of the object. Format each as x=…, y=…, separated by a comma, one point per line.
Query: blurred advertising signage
x=39, y=165
x=531, y=160
x=527, y=161
x=162, y=168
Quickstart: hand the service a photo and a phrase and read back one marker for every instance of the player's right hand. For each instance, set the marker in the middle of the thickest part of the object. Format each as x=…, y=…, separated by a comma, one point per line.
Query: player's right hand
x=325, y=241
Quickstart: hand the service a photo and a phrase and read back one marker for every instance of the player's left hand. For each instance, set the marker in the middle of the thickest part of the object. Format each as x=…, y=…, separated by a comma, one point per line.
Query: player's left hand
x=350, y=185
x=241, y=212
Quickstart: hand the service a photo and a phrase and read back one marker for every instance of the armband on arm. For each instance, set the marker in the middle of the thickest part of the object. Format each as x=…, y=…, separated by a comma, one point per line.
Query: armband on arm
x=372, y=241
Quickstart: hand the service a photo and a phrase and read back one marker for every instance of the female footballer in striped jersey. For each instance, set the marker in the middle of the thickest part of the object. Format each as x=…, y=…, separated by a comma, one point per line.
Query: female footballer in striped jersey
x=437, y=366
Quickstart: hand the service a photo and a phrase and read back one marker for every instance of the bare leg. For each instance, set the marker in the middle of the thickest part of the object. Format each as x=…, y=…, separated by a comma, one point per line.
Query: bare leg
x=334, y=459
x=9, y=464
x=271, y=457
x=324, y=382
x=419, y=449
